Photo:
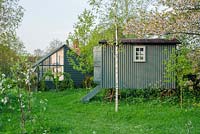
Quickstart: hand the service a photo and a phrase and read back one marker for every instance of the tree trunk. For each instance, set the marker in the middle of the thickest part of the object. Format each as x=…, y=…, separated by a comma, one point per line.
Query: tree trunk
x=116, y=60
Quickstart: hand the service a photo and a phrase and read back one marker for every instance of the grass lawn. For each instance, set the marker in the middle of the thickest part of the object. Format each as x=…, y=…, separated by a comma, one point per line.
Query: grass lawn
x=65, y=114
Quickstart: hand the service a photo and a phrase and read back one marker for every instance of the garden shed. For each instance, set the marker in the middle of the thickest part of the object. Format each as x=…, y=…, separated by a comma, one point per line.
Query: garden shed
x=141, y=64
x=57, y=62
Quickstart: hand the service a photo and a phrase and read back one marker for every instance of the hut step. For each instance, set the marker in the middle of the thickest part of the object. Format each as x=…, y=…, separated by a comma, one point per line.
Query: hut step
x=91, y=94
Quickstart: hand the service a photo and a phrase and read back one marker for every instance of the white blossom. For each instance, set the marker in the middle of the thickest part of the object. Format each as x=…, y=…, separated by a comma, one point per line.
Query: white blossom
x=45, y=132
x=20, y=95
x=3, y=76
x=27, y=81
x=1, y=84
x=5, y=100
x=27, y=75
x=2, y=90
x=9, y=86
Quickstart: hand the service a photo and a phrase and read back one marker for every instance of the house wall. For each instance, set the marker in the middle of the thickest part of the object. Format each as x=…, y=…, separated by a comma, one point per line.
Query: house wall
x=58, y=62
x=76, y=76
x=136, y=75
x=55, y=63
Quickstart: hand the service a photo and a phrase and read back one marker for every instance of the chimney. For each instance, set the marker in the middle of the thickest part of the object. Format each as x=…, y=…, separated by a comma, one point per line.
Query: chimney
x=76, y=46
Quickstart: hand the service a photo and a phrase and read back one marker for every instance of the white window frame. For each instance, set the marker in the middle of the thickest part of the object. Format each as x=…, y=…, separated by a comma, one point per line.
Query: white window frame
x=140, y=55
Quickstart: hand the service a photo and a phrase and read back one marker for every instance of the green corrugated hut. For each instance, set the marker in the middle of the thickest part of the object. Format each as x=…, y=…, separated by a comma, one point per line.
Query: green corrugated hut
x=141, y=64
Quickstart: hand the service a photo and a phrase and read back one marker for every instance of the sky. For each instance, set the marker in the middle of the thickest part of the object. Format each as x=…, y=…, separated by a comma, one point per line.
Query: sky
x=46, y=20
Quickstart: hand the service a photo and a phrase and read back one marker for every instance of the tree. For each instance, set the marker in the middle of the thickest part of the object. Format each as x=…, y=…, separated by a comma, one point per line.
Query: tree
x=172, y=19
x=178, y=19
x=11, y=15
x=116, y=59
x=53, y=45
x=85, y=36
x=17, y=46
x=84, y=27
x=6, y=56
x=178, y=66
x=127, y=9
x=99, y=24
x=38, y=53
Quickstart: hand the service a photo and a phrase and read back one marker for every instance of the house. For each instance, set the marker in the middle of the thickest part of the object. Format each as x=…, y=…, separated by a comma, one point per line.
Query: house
x=141, y=64
x=57, y=62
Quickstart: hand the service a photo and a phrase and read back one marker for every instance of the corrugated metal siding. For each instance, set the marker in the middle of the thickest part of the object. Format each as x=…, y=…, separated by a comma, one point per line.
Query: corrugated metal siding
x=136, y=74
x=108, y=76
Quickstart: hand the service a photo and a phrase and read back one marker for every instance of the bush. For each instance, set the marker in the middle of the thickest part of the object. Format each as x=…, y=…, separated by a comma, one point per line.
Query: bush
x=67, y=83
x=5, y=86
x=141, y=95
x=88, y=82
x=148, y=93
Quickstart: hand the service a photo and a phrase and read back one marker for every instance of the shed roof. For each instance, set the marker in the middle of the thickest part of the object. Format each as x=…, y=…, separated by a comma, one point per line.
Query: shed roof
x=145, y=41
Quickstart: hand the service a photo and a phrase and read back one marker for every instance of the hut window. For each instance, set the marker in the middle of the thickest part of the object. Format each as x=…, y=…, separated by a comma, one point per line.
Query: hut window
x=139, y=54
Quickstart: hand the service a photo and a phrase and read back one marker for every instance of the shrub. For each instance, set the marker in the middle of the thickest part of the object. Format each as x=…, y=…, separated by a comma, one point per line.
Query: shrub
x=88, y=82
x=67, y=83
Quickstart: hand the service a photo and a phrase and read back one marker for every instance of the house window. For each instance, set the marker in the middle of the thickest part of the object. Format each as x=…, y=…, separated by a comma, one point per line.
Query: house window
x=139, y=54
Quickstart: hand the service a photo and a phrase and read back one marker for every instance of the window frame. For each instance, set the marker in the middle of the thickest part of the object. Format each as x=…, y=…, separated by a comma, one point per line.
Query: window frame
x=144, y=56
